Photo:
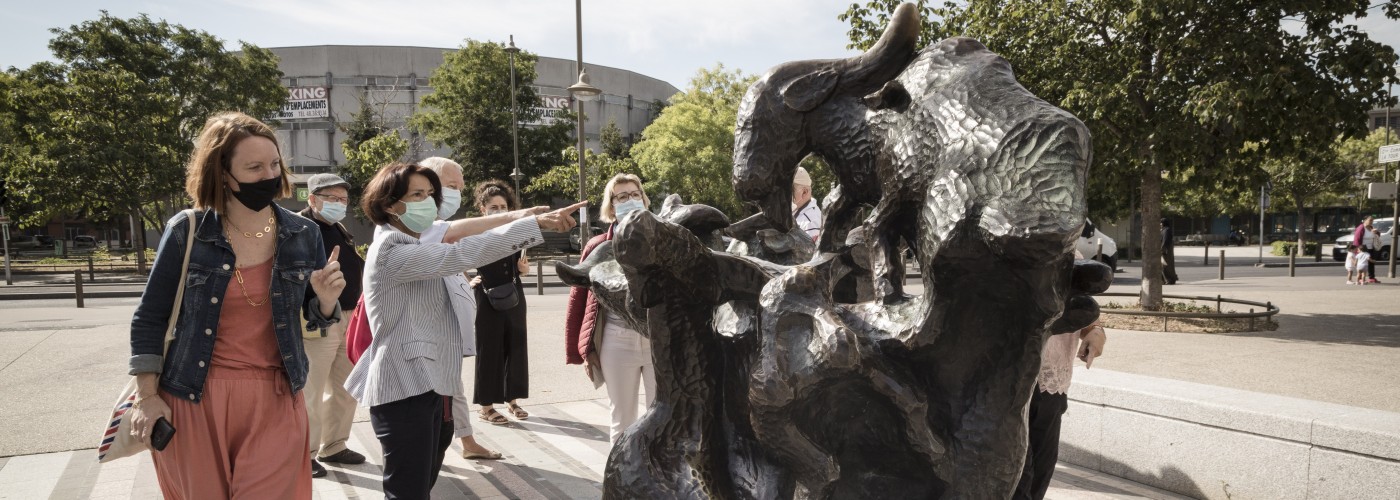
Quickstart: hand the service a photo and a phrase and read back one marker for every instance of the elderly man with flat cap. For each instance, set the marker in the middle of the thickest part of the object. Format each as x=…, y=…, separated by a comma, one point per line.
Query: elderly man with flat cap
x=329, y=407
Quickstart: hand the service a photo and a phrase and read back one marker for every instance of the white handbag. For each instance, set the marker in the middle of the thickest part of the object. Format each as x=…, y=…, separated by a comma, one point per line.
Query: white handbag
x=117, y=441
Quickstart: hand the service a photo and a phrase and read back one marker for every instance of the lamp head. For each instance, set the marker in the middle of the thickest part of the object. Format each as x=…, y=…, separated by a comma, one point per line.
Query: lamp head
x=582, y=90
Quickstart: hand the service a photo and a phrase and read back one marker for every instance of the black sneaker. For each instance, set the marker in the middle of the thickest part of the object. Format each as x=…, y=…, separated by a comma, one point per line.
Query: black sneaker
x=345, y=456
x=316, y=469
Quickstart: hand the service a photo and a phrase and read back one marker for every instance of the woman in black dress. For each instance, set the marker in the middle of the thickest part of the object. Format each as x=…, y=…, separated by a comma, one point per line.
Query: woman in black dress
x=502, y=370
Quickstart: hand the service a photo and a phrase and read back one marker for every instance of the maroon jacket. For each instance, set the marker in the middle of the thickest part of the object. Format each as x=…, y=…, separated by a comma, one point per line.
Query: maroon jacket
x=581, y=317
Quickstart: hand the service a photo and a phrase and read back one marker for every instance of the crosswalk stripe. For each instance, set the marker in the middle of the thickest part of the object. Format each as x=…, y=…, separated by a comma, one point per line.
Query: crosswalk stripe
x=32, y=476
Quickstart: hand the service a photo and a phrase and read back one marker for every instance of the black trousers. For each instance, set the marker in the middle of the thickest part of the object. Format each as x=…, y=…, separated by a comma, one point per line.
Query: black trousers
x=414, y=435
x=1043, y=448
x=1169, y=267
x=502, y=355
x=1371, y=264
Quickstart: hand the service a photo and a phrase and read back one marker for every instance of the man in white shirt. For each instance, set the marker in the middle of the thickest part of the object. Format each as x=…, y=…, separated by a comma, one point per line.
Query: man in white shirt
x=804, y=209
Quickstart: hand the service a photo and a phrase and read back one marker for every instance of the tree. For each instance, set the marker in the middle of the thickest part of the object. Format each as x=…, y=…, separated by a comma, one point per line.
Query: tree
x=1304, y=178
x=1177, y=87
x=561, y=181
x=1358, y=156
x=613, y=143
x=470, y=112
x=368, y=146
x=107, y=129
x=689, y=149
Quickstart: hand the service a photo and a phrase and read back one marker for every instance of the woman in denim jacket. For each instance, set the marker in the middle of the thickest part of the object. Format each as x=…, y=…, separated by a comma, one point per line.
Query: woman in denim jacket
x=231, y=381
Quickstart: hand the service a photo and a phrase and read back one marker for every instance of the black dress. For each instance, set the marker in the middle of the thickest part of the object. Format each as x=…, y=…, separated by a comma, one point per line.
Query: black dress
x=502, y=361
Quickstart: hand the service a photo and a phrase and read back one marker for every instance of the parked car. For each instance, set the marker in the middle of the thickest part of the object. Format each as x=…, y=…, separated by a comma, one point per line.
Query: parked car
x=1088, y=245
x=1387, y=229
x=84, y=242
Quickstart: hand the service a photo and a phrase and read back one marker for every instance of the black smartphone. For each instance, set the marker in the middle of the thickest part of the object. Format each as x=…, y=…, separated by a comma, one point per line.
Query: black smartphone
x=161, y=434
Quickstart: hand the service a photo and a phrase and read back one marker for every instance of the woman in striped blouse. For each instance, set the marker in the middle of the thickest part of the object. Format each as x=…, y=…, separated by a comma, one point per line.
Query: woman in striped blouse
x=413, y=366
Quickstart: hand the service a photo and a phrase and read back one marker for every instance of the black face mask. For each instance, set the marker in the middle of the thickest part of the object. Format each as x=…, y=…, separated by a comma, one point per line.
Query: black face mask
x=258, y=195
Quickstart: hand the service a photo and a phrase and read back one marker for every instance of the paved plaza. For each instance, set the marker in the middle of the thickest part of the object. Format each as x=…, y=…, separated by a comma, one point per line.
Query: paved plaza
x=62, y=366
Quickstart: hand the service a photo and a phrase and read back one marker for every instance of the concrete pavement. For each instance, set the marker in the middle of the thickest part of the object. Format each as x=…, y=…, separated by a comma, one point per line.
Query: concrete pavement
x=1336, y=343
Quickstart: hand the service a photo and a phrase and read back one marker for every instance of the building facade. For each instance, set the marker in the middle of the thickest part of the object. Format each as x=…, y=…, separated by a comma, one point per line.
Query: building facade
x=328, y=83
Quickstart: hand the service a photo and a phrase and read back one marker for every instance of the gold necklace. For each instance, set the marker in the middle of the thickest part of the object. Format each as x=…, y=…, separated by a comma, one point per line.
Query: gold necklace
x=266, y=229
x=238, y=274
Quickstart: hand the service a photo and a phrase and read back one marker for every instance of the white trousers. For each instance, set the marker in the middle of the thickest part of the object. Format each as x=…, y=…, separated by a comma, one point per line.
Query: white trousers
x=625, y=356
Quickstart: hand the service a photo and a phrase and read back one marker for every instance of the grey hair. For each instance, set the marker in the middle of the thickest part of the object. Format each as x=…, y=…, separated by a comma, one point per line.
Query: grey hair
x=438, y=163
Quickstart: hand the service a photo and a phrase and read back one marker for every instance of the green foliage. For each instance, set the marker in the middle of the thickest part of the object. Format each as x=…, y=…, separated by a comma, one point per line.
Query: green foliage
x=1177, y=86
x=1283, y=248
x=561, y=181
x=613, y=143
x=1359, y=155
x=689, y=149
x=364, y=160
x=470, y=112
x=106, y=130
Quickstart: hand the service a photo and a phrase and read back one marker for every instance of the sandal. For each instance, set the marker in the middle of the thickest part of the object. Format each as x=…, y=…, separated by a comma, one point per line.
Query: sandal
x=490, y=414
x=516, y=410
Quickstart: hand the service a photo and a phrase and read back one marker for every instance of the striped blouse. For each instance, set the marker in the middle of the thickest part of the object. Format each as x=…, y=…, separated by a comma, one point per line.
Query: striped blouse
x=417, y=344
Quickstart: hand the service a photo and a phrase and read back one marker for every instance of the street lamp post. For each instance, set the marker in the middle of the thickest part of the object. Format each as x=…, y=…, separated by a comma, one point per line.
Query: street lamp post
x=514, y=120
x=582, y=91
x=1395, y=200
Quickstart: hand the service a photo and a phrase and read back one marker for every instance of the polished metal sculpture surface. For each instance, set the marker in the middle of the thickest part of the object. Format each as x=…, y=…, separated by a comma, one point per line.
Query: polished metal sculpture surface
x=787, y=370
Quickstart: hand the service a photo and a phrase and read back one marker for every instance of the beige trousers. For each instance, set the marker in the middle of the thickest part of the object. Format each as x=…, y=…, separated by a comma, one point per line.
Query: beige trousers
x=329, y=407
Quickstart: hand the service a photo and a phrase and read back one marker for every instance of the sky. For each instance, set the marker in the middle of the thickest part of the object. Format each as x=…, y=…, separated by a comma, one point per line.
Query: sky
x=666, y=39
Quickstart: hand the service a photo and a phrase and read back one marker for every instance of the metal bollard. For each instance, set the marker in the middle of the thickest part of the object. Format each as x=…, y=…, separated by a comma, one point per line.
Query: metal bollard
x=78, y=284
x=539, y=277
x=1098, y=254
x=1164, y=324
x=1292, y=256
x=1251, y=319
x=1217, y=303
x=1222, y=266
x=1207, y=256
x=92, y=274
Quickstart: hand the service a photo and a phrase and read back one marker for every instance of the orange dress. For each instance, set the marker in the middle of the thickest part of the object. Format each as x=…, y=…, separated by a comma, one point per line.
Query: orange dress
x=246, y=437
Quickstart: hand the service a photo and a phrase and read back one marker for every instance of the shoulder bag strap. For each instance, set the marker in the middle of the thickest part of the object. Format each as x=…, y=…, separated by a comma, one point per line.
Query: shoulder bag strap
x=180, y=287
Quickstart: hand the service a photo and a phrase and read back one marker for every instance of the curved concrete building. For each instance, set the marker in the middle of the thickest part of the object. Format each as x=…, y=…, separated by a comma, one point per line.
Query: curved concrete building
x=328, y=82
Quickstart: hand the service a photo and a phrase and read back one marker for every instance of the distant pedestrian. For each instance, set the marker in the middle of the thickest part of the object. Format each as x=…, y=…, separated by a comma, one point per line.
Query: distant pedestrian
x=612, y=353
x=1168, y=252
x=1371, y=244
x=1353, y=253
x=502, y=356
x=1363, y=263
x=804, y=208
x=330, y=409
x=231, y=382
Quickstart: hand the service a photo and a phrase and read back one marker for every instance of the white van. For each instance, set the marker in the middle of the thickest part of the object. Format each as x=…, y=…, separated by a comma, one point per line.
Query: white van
x=1088, y=245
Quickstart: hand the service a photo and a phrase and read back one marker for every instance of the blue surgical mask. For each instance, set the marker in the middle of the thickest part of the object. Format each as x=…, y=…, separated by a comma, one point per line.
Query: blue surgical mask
x=451, y=201
x=420, y=215
x=332, y=212
x=626, y=207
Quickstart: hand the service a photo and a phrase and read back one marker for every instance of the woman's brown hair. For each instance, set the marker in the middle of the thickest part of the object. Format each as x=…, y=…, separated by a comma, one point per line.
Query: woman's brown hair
x=493, y=188
x=204, y=176
x=389, y=185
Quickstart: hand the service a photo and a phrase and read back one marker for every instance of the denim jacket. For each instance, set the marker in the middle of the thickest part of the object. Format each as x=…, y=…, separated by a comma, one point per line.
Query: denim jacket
x=182, y=373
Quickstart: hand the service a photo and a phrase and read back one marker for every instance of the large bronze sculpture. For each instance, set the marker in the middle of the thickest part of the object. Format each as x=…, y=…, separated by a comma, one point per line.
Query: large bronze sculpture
x=777, y=377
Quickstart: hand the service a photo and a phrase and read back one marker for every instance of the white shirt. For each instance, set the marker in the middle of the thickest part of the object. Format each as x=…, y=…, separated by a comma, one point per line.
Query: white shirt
x=809, y=218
